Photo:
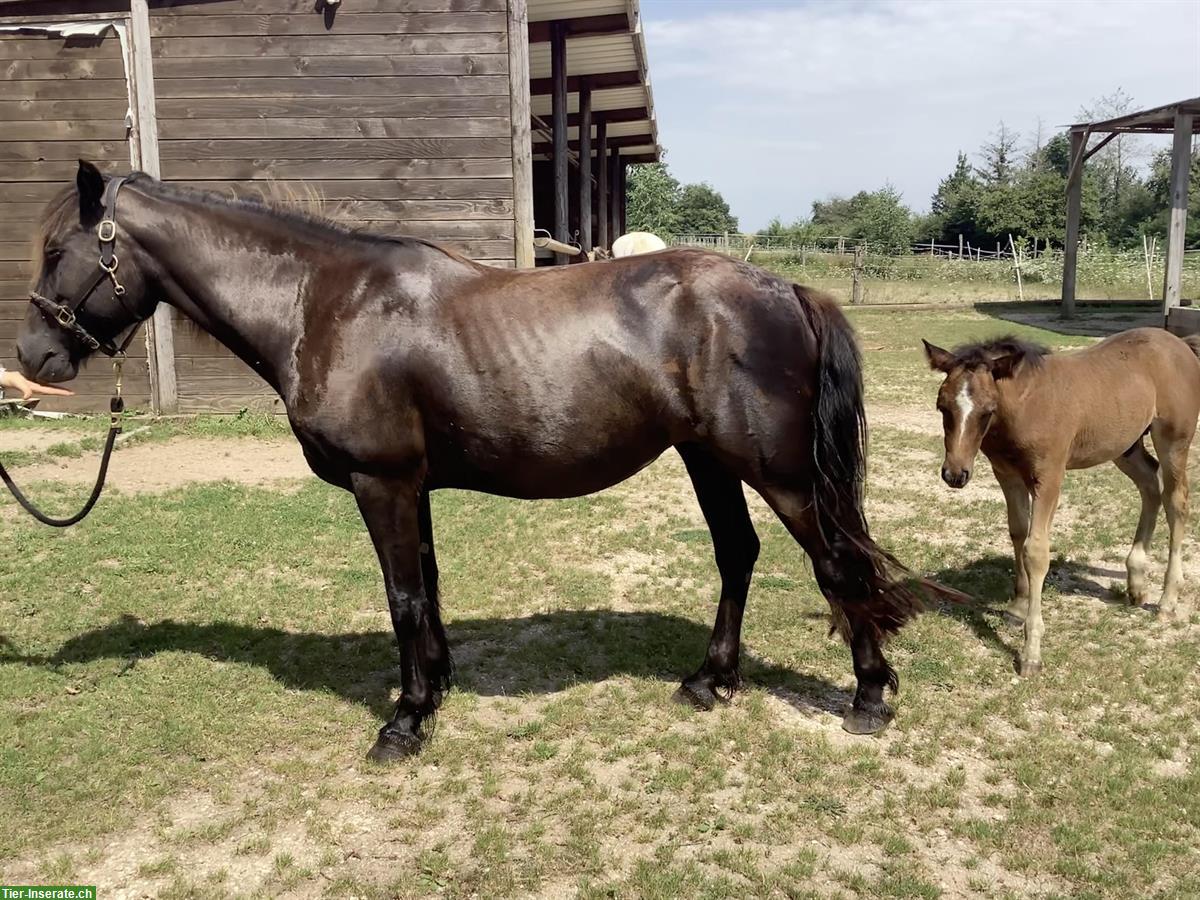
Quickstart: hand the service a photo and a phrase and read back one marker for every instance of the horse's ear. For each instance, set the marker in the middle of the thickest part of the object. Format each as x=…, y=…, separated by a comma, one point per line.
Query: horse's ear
x=1004, y=366
x=90, y=184
x=939, y=360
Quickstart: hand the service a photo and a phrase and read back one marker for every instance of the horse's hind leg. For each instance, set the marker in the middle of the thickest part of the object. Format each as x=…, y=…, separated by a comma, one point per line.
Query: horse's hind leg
x=1142, y=469
x=844, y=574
x=1172, y=445
x=396, y=513
x=736, y=547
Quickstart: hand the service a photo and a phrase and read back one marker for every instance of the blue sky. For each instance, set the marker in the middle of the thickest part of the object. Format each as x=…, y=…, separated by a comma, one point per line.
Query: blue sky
x=781, y=103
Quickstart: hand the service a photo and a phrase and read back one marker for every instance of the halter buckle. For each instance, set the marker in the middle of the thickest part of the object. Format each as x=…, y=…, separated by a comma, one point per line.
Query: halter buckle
x=107, y=231
x=65, y=317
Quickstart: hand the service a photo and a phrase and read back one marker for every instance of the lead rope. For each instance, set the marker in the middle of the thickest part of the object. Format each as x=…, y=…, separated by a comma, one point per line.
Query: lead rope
x=116, y=406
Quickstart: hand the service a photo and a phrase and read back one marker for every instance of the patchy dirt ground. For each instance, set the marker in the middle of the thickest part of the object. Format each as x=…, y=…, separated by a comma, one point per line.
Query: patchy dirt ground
x=157, y=467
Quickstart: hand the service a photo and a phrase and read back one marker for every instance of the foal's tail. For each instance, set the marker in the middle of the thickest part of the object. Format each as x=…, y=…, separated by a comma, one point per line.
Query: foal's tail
x=864, y=583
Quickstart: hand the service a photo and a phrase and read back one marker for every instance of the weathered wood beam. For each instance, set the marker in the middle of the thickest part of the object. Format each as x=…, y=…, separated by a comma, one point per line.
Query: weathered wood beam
x=602, y=219
x=629, y=114
x=625, y=140
x=160, y=335
x=1181, y=158
x=599, y=81
x=1074, y=205
x=614, y=193
x=582, y=26
x=558, y=69
x=522, y=135
x=585, y=157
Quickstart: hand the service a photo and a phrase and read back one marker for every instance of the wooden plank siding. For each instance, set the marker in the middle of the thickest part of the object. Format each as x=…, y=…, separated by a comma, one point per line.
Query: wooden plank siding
x=56, y=97
x=395, y=113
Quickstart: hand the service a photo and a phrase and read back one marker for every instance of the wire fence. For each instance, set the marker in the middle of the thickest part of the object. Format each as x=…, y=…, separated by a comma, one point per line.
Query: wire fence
x=1129, y=274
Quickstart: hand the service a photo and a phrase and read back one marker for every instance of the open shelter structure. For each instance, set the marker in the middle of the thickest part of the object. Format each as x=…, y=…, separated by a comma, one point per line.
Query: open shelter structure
x=474, y=123
x=1181, y=119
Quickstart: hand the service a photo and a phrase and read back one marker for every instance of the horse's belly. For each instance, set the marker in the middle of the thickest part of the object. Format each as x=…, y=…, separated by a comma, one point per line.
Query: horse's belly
x=556, y=470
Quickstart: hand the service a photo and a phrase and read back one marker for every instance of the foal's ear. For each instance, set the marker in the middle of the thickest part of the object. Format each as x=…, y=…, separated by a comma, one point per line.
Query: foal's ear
x=1004, y=366
x=939, y=360
x=90, y=185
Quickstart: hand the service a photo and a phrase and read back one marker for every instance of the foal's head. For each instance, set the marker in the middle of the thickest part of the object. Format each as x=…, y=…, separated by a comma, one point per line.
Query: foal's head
x=969, y=397
x=69, y=252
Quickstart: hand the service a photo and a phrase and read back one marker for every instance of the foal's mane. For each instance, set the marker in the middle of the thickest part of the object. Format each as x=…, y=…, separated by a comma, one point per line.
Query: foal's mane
x=982, y=353
x=278, y=201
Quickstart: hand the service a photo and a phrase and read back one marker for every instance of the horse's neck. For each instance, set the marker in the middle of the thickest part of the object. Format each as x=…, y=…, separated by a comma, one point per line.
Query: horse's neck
x=235, y=271
x=1018, y=395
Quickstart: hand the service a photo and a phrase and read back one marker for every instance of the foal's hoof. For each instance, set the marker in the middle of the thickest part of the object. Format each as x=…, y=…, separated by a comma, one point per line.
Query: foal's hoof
x=393, y=745
x=1030, y=668
x=868, y=721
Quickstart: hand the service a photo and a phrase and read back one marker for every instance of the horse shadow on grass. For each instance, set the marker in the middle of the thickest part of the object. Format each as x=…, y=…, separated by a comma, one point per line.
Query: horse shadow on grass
x=1091, y=319
x=538, y=654
x=989, y=581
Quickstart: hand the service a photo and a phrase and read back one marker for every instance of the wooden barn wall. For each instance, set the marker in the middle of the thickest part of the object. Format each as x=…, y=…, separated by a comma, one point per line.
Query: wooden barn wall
x=59, y=99
x=395, y=112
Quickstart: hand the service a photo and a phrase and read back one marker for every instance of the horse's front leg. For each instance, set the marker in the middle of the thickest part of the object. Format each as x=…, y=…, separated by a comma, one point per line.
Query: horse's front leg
x=394, y=510
x=1016, y=498
x=1037, y=563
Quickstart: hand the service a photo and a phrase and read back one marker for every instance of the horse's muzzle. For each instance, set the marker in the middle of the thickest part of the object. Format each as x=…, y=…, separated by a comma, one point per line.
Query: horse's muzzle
x=955, y=479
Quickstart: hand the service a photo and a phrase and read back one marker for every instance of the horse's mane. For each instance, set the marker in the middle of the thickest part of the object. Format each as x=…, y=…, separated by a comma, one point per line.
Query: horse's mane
x=304, y=210
x=981, y=353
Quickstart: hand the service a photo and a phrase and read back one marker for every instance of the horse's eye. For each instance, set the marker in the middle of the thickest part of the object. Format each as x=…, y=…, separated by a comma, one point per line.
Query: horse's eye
x=53, y=254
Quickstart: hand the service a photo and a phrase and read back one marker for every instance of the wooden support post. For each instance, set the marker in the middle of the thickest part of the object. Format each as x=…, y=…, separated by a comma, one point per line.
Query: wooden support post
x=558, y=78
x=856, y=288
x=160, y=337
x=1071, y=241
x=602, y=205
x=1181, y=160
x=585, y=167
x=522, y=137
x=614, y=193
x=622, y=185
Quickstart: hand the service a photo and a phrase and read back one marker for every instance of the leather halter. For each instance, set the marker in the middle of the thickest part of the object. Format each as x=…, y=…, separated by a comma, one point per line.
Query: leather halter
x=65, y=314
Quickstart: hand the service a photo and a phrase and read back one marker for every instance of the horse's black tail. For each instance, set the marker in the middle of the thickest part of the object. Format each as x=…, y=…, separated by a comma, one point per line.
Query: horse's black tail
x=864, y=583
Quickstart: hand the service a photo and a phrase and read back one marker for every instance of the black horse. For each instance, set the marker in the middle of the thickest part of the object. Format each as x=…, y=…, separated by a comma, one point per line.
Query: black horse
x=405, y=368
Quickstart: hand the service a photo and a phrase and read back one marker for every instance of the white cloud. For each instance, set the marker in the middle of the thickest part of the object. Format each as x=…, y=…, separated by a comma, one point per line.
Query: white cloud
x=780, y=106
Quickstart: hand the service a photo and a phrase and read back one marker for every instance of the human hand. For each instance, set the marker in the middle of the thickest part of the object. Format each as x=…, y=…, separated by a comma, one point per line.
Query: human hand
x=18, y=382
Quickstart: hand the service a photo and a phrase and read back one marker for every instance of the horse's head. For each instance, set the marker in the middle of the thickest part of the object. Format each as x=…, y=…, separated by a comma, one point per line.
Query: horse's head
x=967, y=400
x=89, y=285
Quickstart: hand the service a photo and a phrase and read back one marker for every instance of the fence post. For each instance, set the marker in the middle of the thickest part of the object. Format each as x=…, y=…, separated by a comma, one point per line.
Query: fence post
x=856, y=289
x=960, y=246
x=1017, y=266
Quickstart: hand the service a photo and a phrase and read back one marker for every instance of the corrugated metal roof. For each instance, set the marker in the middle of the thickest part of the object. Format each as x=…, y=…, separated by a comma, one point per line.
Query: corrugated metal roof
x=549, y=10
x=598, y=55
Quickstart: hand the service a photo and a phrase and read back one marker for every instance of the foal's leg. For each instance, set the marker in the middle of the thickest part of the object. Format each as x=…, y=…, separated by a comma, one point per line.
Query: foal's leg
x=736, y=547
x=391, y=507
x=1037, y=564
x=1016, y=498
x=1172, y=447
x=1142, y=469
x=841, y=571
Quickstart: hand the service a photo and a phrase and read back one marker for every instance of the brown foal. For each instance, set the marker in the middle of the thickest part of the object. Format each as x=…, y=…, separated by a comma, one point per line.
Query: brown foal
x=1036, y=414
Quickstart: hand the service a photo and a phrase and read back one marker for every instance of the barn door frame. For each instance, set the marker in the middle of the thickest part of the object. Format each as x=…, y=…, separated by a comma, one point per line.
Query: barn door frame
x=133, y=32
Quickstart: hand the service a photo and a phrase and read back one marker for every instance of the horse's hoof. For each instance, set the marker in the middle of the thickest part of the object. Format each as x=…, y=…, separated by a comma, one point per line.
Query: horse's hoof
x=1168, y=614
x=1138, y=600
x=1030, y=668
x=1011, y=618
x=392, y=746
x=862, y=721
x=697, y=696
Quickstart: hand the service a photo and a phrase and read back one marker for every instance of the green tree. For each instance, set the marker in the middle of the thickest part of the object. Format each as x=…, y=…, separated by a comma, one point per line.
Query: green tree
x=954, y=209
x=657, y=202
x=701, y=210
x=652, y=195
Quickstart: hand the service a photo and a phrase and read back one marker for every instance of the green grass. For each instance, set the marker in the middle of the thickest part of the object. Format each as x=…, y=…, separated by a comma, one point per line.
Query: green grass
x=188, y=683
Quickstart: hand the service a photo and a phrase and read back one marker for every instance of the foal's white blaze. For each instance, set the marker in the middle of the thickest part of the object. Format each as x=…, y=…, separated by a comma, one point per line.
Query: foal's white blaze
x=965, y=406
